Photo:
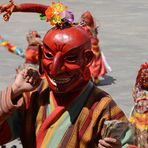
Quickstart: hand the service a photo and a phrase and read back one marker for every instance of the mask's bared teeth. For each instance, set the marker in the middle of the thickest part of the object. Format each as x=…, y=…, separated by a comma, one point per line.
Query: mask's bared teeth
x=62, y=81
x=52, y=81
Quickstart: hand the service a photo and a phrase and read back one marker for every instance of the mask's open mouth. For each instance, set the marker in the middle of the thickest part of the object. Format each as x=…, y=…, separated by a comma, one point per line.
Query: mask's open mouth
x=59, y=81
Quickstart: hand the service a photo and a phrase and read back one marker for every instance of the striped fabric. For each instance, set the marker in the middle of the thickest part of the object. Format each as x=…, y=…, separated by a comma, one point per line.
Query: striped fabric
x=80, y=124
x=6, y=110
x=6, y=106
x=31, y=54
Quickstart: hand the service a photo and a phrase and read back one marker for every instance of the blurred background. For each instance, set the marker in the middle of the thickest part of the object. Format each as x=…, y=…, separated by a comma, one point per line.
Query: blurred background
x=123, y=34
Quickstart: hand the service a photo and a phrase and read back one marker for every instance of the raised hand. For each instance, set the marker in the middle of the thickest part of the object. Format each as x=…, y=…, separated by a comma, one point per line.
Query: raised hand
x=7, y=9
x=109, y=142
x=26, y=80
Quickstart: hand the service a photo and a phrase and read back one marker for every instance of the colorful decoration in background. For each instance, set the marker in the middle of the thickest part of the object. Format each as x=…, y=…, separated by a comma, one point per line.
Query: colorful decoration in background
x=57, y=14
x=10, y=47
x=9, y=11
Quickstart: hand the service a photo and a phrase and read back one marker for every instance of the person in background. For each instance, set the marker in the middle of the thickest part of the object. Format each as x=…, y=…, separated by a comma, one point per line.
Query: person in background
x=34, y=41
x=31, y=52
x=139, y=114
x=63, y=108
x=99, y=67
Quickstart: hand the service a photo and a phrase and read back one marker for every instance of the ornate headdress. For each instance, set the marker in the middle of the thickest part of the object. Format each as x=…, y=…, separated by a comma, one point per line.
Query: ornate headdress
x=140, y=91
x=141, y=73
x=58, y=15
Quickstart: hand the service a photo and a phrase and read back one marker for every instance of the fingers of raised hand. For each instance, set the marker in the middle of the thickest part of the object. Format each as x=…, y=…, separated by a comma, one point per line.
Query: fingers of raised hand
x=4, y=8
x=7, y=9
x=7, y=13
x=6, y=16
x=1, y=9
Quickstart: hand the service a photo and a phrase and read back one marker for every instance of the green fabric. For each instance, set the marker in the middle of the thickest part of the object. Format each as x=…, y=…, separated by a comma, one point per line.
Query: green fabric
x=42, y=16
x=127, y=137
x=14, y=122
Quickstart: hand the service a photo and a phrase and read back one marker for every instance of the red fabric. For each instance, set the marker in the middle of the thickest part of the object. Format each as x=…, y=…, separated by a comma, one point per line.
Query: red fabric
x=98, y=67
x=132, y=146
x=49, y=120
x=5, y=134
x=31, y=55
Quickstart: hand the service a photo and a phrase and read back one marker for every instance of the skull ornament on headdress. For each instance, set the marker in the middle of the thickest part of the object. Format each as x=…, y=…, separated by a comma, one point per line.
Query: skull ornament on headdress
x=142, y=77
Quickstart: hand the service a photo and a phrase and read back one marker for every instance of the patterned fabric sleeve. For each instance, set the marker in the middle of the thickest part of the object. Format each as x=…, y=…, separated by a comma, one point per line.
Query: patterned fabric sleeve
x=8, y=115
x=113, y=112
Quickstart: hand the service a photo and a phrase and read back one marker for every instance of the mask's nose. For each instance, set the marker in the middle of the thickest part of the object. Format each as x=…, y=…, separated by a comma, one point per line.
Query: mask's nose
x=57, y=63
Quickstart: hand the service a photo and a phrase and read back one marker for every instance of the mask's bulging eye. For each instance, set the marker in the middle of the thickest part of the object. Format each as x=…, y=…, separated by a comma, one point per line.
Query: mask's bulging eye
x=71, y=59
x=49, y=56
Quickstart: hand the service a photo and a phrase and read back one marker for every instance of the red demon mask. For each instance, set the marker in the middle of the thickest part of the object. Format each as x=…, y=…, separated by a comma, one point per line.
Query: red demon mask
x=66, y=56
